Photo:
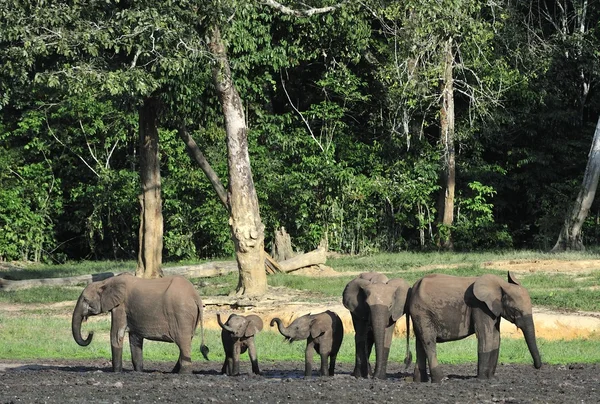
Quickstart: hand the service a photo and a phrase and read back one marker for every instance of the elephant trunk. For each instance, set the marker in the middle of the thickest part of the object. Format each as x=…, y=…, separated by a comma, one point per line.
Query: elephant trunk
x=282, y=329
x=529, y=333
x=223, y=326
x=79, y=316
x=380, y=321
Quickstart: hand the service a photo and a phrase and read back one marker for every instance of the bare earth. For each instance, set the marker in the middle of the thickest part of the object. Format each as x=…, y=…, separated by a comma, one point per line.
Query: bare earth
x=50, y=381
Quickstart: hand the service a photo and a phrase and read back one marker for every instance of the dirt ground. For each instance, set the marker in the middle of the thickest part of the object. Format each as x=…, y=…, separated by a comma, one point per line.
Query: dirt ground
x=282, y=382
x=51, y=381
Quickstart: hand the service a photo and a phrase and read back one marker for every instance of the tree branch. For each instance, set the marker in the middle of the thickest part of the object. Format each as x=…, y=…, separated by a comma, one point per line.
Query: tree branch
x=302, y=13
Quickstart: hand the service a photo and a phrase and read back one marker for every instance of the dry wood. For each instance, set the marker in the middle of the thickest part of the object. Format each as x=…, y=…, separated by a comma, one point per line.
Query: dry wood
x=7, y=284
x=282, y=246
x=314, y=257
x=206, y=270
x=271, y=266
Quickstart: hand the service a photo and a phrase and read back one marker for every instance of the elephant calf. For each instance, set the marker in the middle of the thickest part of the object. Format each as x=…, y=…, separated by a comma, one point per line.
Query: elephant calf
x=324, y=333
x=448, y=308
x=237, y=335
x=165, y=309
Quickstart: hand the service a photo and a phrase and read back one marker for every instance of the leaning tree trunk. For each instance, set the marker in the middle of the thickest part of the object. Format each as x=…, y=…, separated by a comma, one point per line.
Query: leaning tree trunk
x=151, y=219
x=570, y=236
x=246, y=227
x=447, y=178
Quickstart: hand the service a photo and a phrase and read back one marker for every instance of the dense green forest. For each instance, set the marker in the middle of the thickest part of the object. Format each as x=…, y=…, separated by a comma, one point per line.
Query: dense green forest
x=346, y=113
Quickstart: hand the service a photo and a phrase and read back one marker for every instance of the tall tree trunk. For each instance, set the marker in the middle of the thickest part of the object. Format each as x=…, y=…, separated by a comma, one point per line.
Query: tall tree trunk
x=570, y=235
x=447, y=178
x=151, y=219
x=246, y=227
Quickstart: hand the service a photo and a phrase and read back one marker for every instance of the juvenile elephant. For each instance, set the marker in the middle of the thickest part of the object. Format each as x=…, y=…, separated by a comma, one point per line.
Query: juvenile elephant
x=448, y=308
x=324, y=333
x=165, y=309
x=375, y=303
x=237, y=335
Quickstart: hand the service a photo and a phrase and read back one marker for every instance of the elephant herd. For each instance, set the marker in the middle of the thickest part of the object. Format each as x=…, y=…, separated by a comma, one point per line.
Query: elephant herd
x=442, y=308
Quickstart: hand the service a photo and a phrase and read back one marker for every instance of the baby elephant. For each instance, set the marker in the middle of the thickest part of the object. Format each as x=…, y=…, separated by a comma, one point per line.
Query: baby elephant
x=324, y=333
x=237, y=335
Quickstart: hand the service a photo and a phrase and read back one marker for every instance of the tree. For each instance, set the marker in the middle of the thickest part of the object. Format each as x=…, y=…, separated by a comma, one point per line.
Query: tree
x=247, y=230
x=151, y=217
x=570, y=237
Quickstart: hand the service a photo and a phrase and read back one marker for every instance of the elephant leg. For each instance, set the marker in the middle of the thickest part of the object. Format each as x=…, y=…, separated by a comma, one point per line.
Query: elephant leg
x=308, y=358
x=332, y=359
x=488, y=348
x=361, y=350
x=253, y=357
x=184, y=363
x=136, y=344
x=236, y=358
x=434, y=368
x=420, y=373
x=117, y=334
x=224, y=369
x=368, y=350
x=324, y=349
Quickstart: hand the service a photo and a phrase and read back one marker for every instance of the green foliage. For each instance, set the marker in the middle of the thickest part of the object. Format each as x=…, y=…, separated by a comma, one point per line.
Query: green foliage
x=343, y=116
x=474, y=225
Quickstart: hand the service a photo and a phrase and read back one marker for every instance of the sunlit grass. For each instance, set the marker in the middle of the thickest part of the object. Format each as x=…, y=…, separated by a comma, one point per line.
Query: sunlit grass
x=41, y=337
x=45, y=331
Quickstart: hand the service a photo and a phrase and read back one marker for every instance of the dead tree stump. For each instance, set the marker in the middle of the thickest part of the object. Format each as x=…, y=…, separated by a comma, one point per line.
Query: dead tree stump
x=282, y=246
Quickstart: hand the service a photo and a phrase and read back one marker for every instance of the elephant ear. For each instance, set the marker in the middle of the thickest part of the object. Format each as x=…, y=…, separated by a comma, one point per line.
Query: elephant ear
x=488, y=290
x=317, y=327
x=512, y=279
x=112, y=293
x=399, y=299
x=255, y=324
x=353, y=294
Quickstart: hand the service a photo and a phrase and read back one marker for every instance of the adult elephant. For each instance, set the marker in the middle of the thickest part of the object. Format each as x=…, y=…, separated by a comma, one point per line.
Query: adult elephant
x=375, y=303
x=165, y=309
x=448, y=308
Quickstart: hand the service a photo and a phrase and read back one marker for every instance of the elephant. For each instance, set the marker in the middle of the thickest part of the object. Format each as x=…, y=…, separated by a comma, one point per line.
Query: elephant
x=164, y=309
x=324, y=333
x=448, y=308
x=375, y=303
x=237, y=335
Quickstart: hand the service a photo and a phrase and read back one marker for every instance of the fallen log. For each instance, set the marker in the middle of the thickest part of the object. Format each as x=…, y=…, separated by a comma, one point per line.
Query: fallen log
x=7, y=284
x=315, y=257
x=206, y=270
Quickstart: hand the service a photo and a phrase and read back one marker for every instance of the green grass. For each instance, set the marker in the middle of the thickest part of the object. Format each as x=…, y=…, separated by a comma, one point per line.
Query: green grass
x=21, y=339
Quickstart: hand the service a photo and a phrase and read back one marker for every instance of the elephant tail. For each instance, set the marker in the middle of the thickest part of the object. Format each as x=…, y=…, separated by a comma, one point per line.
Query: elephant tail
x=203, y=348
x=408, y=357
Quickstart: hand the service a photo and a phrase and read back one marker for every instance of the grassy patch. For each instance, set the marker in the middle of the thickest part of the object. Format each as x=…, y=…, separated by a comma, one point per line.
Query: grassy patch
x=43, y=294
x=21, y=339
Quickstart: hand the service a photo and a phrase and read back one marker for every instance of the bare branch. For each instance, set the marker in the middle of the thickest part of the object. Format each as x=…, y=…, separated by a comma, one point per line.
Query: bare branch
x=71, y=150
x=302, y=13
x=301, y=116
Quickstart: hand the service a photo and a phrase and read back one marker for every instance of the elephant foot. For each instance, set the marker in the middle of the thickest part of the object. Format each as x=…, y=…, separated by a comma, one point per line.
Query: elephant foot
x=436, y=375
x=420, y=376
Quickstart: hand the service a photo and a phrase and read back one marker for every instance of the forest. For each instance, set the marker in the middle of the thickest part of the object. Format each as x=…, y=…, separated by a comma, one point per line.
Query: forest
x=374, y=125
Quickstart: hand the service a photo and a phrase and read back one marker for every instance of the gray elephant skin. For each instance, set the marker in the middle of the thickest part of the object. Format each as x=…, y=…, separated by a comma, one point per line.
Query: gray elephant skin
x=375, y=304
x=448, y=308
x=323, y=333
x=237, y=336
x=166, y=309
